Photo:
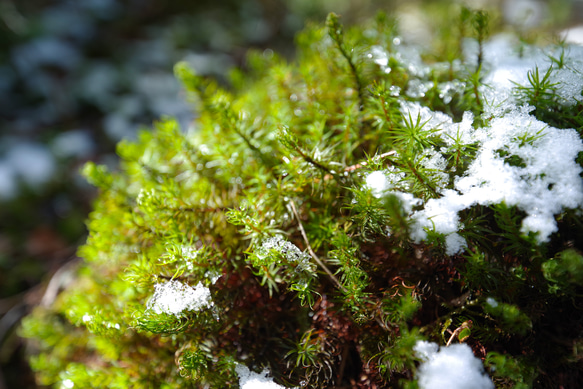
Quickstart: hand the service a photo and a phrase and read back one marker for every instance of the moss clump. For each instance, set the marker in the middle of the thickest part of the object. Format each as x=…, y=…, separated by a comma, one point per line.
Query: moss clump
x=323, y=217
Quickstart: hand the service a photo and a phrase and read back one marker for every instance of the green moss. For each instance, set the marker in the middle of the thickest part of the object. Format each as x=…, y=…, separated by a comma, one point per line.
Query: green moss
x=312, y=273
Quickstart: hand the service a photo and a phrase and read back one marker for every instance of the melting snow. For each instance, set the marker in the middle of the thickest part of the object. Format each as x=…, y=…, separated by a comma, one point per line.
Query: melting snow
x=174, y=297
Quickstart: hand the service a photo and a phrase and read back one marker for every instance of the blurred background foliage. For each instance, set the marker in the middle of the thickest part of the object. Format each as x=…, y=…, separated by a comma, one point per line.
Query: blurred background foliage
x=78, y=76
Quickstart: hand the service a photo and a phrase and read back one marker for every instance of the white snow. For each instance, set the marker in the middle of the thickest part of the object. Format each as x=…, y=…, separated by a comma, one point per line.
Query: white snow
x=408, y=201
x=448, y=89
x=436, y=165
x=381, y=181
x=291, y=252
x=380, y=57
x=454, y=243
x=417, y=88
x=67, y=384
x=453, y=367
x=432, y=120
x=505, y=67
x=378, y=183
x=524, y=13
x=547, y=184
x=520, y=160
x=174, y=297
x=251, y=380
x=549, y=181
x=509, y=67
x=570, y=77
x=573, y=35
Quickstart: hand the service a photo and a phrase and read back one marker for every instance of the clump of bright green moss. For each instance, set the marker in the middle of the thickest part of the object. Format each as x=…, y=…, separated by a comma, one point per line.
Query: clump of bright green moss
x=324, y=217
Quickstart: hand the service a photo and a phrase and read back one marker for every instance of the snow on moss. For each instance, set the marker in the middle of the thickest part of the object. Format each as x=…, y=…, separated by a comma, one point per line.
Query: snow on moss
x=378, y=183
x=290, y=251
x=526, y=163
x=174, y=297
x=520, y=161
x=453, y=367
x=508, y=67
x=251, y=380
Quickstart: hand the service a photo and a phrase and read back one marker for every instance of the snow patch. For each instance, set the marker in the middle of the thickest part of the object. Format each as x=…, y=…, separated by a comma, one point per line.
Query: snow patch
x=250, y=380
x=381, y=181
x=453, y=367
x=174, y=297
x=378, y=183
x=522, y=162
x=518, y=160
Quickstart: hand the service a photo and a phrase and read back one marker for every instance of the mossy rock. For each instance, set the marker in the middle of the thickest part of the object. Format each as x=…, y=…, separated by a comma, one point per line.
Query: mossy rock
x=323, y=217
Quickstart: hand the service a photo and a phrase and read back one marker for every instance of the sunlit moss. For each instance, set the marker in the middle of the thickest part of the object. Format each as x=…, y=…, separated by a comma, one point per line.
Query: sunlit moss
x=321, y=205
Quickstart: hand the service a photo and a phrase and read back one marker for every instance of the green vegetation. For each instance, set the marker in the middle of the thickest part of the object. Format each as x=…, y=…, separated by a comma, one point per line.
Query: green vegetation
x=298, y=227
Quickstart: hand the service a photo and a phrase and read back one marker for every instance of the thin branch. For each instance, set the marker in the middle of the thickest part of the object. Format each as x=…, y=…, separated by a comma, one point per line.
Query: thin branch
x=311, y=251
